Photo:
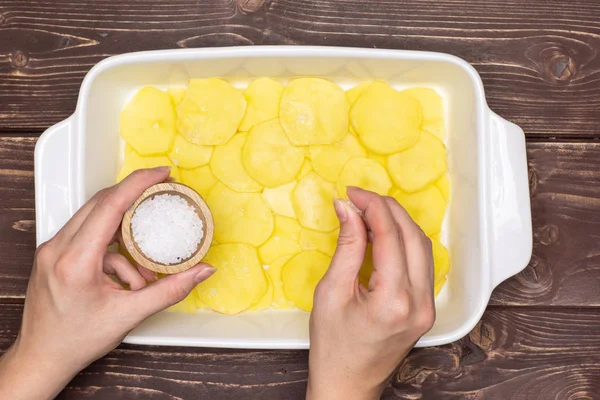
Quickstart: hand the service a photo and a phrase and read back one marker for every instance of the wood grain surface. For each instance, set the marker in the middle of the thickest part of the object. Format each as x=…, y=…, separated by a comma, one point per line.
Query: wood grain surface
x=540, y=64
x=538, y=59
x=511, y=354
x=565, y=187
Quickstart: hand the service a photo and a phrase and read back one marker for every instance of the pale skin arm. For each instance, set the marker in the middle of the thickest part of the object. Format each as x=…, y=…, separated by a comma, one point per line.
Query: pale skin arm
x=360, y=335
x=74, y=312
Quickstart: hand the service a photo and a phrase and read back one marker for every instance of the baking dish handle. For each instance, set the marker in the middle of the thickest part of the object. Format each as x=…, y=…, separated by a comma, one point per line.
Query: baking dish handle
x=53, y=170
x=508, y=199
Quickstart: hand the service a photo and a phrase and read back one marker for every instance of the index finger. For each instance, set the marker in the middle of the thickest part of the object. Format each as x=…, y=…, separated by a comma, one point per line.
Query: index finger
x=98, y=229
x=389, y=259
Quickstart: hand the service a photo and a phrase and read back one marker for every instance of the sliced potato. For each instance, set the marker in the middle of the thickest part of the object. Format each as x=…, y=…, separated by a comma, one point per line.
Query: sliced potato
x=329, y=160
x=133, y=161
x=128, y=149
x=176, y=94
x=353, y=94
x=300, y=277
x=313, y=203
x=386, y=120
x=441, y=261
x=263, y=96
x=210, y=112
x=283, y=241
x=366, y=174
x=200, y=179
x=187, y=305
x=325, y=242
x=414, y=169
x=433, y=109
x=269, y=157
x=280, y=302
x=381, y=159
x=148, y=122
x=314, y=111
x=266, y=300
x=240, y=217
x=444, y=185
x=239, y=281
x=226, y=164
x=185, y=154
x=427, y=208
x=279, y=199
x=305, y=169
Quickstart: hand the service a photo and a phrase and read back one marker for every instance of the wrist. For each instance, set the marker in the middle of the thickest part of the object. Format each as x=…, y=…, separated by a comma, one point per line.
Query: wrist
x=336, y=390
x=26, y=374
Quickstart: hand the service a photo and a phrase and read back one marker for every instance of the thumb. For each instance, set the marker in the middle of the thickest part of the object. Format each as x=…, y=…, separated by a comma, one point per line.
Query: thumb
x=351, y=247
x=169, y=290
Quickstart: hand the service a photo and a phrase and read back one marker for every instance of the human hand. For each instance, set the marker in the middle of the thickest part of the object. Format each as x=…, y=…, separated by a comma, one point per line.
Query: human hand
x=74, y=311
x=358, y=335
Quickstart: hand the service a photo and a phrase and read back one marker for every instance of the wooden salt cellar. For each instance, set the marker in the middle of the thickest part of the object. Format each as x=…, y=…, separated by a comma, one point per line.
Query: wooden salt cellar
x=201, y=208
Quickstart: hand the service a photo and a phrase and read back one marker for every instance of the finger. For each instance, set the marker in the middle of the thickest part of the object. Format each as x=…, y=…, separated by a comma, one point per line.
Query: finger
x=148, y=275
x=99, y=228
x=66, y=233
x=389, y=259
x=351, y=247
x=117, y=264
x=418, y=247
x=169, y=290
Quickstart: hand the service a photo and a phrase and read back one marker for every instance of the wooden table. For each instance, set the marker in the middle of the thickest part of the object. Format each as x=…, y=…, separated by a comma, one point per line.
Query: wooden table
x=540, y=64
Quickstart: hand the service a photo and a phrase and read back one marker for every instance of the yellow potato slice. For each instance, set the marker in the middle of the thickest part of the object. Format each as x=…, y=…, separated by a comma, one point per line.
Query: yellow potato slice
x=239, y=217
x=239, y=281
x=148, y=121
x=444, y=185
x=187, y=305
x=427, y=207
x=433, y=109
x=441, y=261
x=305, y=169
x=200, y=179
x=325, y=242
x=185, y=154
x=283, y=241
x=414, y=169
x=381, y=159
x=263, y=96
x=269, y=157
x=266, y=300
x=300, y=277
x=314, y=111
x=226, y=164
x=210, y=112
x=133, y=161
x=176, y=95
x=329, y=160
x=279, y=199
x=128, y=149
x=280, y=302
x=366, y=174
x=353, y=94
x=313, y=203
x=386, y=120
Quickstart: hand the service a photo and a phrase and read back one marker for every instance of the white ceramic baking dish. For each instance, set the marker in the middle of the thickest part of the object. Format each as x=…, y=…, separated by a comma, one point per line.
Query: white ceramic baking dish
x=488, y=225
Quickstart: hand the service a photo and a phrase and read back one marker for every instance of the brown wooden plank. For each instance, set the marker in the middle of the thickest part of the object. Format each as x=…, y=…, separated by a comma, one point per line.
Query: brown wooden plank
x=565, y=269
x=538, y=58
x=511, y=354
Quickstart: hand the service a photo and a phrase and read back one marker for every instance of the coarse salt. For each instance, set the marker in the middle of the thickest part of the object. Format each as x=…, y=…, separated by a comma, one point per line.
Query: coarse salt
x=166, y=229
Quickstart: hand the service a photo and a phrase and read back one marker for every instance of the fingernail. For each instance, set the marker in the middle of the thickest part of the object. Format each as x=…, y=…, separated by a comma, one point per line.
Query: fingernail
x=163, y=169
x=204, y=274
x=340, y=209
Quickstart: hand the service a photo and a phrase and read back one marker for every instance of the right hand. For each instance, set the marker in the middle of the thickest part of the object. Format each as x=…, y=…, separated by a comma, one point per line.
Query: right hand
x=360, y=335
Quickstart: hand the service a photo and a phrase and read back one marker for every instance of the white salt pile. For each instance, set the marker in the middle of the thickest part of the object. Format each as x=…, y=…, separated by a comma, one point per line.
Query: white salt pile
x=166, y=229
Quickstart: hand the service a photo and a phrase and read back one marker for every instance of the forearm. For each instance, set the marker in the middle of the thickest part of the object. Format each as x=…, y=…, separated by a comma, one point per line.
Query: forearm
x=31, y=377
